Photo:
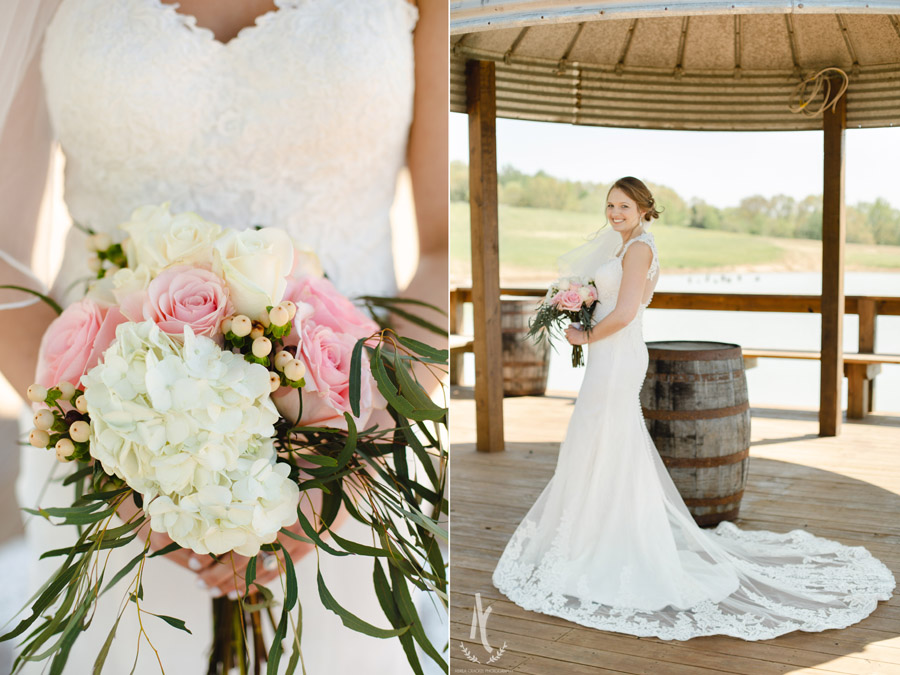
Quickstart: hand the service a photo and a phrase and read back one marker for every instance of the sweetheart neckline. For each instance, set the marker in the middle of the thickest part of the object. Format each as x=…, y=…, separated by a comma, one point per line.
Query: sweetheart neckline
x=190, y=21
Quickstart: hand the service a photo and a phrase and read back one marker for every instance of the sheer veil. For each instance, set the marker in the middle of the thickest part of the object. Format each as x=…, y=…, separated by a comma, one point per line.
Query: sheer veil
x=26, y=146
x=583, y=260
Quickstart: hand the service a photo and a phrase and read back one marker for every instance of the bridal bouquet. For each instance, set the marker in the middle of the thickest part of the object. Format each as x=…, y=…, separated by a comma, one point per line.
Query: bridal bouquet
x=212, y=377
x=569, y=299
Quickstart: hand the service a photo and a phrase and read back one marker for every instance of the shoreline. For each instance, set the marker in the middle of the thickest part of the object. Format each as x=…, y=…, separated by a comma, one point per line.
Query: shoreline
x=511, y=276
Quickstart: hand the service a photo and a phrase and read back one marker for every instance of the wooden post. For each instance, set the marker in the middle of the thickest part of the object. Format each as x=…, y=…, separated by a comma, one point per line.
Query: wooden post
x=833, y=235
x=867, y=315
x=482, y=109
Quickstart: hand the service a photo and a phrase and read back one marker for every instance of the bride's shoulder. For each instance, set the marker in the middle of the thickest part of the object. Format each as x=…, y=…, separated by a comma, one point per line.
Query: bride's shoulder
x=648, y=238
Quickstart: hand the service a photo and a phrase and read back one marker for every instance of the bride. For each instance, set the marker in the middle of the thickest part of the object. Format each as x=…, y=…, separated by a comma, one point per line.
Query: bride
x=289, y=113
x=609, y=542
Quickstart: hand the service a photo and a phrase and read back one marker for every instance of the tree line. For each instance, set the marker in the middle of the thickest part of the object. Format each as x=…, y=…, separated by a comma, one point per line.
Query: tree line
x=779, y=216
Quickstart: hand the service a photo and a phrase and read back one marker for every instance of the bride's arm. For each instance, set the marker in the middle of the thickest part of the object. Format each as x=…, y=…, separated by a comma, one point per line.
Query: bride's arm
x=635, y=265
x=25, y=158
x=428, y=166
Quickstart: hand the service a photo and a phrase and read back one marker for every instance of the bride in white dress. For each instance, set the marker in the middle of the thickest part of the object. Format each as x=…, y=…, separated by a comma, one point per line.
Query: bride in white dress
x=290, y=113
x=610, y=544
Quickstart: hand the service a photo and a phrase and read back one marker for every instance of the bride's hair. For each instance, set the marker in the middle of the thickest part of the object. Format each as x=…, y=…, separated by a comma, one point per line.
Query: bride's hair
x=640, y=193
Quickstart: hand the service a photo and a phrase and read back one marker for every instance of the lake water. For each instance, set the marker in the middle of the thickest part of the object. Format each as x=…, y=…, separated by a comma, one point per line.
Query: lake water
x=779, y=382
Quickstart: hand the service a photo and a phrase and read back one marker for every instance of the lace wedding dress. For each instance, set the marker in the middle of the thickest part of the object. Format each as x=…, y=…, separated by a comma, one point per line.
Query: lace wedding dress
x=610, y=544
x=300, y=122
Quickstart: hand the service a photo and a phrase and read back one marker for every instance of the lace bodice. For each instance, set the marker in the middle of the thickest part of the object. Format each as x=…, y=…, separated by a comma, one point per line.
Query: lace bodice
x=301, y=121
x=608, y=277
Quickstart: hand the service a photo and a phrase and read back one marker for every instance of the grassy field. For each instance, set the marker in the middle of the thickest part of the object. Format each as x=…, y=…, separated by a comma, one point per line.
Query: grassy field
x=531, y=240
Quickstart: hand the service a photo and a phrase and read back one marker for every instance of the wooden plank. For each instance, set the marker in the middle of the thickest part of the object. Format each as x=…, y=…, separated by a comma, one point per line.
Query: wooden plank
x=481, y=107
x=833, y=237
x=844, y=489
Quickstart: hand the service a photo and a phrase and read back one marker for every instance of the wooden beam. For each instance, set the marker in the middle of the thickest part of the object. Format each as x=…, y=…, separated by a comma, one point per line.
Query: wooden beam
x=482, y=110
x=833, y=235
x=731, y=302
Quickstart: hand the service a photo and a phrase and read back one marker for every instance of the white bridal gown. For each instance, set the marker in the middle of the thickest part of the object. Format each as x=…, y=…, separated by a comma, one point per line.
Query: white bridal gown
x=610, y=544
x=300, y=122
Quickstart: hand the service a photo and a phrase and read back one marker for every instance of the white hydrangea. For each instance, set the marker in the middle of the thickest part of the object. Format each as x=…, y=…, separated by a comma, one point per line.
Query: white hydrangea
x=190, y=427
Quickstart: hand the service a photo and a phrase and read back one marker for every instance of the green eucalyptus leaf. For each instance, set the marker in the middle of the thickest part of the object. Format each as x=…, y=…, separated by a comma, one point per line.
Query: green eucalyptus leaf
x=172, y=621
x=47, y=299
x=351, y=620
x=356, y=375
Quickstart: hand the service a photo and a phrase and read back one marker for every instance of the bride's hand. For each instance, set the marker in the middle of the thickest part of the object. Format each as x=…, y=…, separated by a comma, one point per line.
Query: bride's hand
x=576, y=336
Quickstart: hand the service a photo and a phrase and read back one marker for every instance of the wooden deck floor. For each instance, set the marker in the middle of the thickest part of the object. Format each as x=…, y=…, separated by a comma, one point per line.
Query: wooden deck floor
x=846, y=488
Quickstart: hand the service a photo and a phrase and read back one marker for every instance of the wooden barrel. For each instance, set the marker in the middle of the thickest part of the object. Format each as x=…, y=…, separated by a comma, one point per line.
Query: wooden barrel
x=697, y=411
x=525, y=364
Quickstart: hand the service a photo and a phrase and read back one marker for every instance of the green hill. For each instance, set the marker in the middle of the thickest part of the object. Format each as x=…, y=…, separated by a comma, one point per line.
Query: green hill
x=531, y=239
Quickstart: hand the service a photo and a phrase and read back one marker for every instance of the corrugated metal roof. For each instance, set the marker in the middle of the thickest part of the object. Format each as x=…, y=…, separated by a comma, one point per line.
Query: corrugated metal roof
x=680, y=65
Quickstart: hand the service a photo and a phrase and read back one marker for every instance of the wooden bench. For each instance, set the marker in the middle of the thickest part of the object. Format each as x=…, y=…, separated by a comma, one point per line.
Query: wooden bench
x=859, y=369
x=459, y=345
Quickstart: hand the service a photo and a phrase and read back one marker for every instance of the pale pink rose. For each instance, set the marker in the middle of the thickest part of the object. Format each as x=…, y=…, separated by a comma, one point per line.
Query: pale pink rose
x=182, y=295
x=329, y=307
x=326, y=396
x=568, y=301
x=75, y=341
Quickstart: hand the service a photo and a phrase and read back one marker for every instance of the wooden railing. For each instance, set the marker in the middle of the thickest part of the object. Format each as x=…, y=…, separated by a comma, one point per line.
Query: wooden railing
x=867, y=308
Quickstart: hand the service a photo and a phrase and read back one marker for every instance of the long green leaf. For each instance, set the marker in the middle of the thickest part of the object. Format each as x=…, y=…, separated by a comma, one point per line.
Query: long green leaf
x=419, y=321
x=42, y=602
x=427, y=523
x=175, y=623
x=290, y=577
x=384, y=301
x=408, y=612
x=171, y=548
x=412, y=390
x=312, y=534
x=117, y=532
x=356, y=547
x=125, y=570
x=50, y=301
x=426, y=350
x=73, y=629
x=356, y=375
x=389, y=607
x=83, y=548
x=104, y=650
x=275, y=651
x=350, y=620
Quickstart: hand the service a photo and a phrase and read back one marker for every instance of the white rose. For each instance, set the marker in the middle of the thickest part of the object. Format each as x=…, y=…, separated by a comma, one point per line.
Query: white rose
x=583, y=293
x=127, y=281
x=101, y=291
x=306, y=263
x=563, y=284
x=158, y=239
x=255, y=264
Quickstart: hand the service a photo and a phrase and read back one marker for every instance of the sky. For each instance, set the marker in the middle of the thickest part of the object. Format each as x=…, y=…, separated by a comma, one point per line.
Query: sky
x=720, y=167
